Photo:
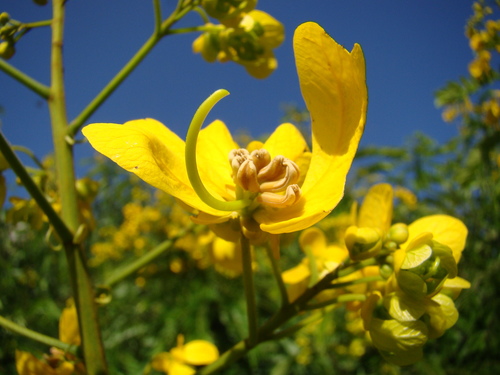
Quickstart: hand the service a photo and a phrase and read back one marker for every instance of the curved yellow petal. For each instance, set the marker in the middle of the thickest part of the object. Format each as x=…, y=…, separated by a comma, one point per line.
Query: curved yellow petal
x=153, y=152
x=445, y=229
x=333, y=85
x=376, y=210
x=212, y=150
x=287, y=141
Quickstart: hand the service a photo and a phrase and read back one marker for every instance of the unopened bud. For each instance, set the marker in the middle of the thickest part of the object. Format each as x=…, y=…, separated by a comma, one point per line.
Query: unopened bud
x=425, y=268
x=398, y=233
x=4, y=18
x=363, y=243
x=7, y=50
x=41, y=2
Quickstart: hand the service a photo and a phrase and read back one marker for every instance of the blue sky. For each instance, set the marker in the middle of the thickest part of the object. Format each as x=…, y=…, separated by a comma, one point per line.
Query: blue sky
x=411, y=48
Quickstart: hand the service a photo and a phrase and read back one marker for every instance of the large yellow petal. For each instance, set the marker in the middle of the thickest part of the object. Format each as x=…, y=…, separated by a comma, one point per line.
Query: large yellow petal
x=156, y=154
x=445, y=229
x=333, y=85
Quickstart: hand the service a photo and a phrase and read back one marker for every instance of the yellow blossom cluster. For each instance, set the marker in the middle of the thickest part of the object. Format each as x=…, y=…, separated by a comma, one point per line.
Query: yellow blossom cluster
x=245, y=35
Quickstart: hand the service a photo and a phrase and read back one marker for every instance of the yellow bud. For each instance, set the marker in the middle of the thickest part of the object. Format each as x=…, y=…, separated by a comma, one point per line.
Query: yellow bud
x=7, y=50
x=4, y=18
x=398, y=233
x=363, y=243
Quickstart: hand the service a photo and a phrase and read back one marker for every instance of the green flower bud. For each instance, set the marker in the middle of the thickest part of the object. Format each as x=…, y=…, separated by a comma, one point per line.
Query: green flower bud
x=208, y=45
x=7, y=50
x=363, y=243
x=386, y=271
x=398, y=233
x=41, y=2
x=4, y=18
x=425, y=268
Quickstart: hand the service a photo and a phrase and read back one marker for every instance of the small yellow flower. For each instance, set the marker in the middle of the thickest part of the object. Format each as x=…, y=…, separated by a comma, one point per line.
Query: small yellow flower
x=179, y=360
x=266, y=180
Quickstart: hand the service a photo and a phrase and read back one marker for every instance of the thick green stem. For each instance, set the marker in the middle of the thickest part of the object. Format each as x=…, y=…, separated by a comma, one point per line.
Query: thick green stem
x=84, y=295
x=26, y=80
x=249, y=287
x=36, y=336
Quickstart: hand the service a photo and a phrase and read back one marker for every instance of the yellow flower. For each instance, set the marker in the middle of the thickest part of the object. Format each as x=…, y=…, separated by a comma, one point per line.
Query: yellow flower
x=179, y=360
x=266, y=180
x=58, y=362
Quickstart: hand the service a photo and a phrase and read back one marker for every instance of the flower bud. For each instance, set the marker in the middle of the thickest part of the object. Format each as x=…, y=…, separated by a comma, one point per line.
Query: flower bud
x=398, y=233
x=363, y=243
x=4, y=18
x=7, y=50
x=41, y=2
x=425, y=267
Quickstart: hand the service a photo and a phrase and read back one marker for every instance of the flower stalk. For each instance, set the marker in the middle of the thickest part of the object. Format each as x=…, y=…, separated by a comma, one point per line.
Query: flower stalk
x=83, y=292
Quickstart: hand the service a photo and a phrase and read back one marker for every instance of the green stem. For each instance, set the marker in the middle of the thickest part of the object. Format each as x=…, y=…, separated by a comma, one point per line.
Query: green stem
x=249, y=287
x=36, y=336
x=160, y=31
x=267, y=330
x=186, y=30
x=64, y=233
x=129, y=269
x=32, y=25
x=191, y=163
x=84, y=295
x=26, y=80
x=340, y=299
x=30, y=153
x=363, y=280
x=277, y=276
x=313, y=266
x=112, y=85
x=357, y=266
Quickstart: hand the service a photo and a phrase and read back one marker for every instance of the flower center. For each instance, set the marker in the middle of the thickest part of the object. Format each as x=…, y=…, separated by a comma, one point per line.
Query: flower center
x=274, y=181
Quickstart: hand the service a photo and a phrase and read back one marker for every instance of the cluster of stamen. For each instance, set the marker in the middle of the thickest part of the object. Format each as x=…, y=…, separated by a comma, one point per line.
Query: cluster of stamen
x=275, y=180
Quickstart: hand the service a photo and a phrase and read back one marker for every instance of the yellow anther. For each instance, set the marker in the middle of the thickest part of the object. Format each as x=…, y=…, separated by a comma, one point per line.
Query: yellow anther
x=291, y=196
x=285, y=173
x=247, y=176
x=261, y=158
x=236, y=159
